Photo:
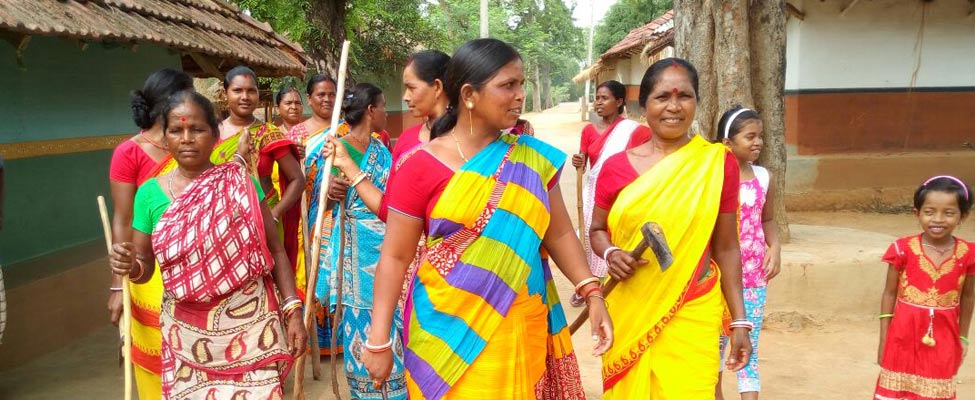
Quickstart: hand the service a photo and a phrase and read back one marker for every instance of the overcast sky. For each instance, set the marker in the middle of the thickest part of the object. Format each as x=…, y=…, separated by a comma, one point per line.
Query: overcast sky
x=581, y=14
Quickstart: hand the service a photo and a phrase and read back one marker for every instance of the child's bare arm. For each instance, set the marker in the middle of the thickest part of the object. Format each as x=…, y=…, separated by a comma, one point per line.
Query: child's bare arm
x=887, y=307
x=773, y=259
x=967, y=305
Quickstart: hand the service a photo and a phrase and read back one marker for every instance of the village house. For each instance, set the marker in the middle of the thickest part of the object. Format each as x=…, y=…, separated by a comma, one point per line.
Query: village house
x=66, y=71
x=878, y=95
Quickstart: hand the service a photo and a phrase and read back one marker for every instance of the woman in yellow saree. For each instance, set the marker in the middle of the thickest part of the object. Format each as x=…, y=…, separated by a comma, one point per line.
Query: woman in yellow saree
x=668, y=319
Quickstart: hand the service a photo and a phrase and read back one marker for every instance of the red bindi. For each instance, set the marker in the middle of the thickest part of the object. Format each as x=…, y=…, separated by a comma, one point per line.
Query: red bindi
x=183, y=119
x=674, y=91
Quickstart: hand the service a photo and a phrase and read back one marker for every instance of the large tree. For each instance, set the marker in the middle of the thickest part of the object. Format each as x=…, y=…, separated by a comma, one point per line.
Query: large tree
x=622, y=17
x=383, y=32
x=541, y=30
x=738, y=47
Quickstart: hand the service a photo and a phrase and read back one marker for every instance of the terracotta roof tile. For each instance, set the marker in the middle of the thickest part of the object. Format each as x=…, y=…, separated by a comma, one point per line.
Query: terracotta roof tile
x=213, y=28
x=660, y=28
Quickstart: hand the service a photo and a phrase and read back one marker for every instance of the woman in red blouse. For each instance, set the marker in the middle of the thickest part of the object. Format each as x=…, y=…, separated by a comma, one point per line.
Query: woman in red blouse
x=423, y=93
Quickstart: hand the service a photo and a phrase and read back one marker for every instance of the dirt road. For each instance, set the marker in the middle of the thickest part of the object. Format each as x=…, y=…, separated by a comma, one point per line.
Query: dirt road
x=819, y=342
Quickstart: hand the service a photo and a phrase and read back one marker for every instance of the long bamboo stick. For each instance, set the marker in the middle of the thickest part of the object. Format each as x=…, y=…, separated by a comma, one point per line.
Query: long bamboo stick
x=317, y=231
x=340, y=273
x=580, y=173
x=125, y=323
x=316, y=359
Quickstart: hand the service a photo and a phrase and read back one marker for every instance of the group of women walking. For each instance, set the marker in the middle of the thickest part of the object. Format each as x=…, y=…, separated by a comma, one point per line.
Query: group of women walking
x=436, y=256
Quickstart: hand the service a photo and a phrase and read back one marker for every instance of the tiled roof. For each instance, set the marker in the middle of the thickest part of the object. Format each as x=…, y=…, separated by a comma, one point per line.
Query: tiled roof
x=660, y=29
x=212, y=35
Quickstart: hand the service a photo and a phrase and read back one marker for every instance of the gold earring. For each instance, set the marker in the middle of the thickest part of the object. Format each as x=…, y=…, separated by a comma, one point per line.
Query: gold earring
x=470, y=119
x=470, y=105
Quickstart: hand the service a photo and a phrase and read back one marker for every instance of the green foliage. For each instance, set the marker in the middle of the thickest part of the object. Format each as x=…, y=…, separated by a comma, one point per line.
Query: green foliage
x=541, y=30
x=622, y=17
x=383, y=32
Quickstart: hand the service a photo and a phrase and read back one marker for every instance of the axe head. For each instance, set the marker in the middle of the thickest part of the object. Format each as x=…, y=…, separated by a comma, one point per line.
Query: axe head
x=653, y=236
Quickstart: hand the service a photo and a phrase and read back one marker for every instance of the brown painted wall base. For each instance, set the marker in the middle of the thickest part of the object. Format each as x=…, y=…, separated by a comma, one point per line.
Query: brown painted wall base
x=868, y=181
x=46, y=313
x=848, y=121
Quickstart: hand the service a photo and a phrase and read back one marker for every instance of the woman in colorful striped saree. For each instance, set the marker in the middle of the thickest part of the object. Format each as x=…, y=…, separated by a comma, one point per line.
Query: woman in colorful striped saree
x=222, y=266
x=668, y=319
x=132, y=163
x=483, y=318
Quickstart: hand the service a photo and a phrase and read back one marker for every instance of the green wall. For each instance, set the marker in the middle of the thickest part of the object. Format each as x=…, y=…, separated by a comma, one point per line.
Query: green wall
x=49, y=203
x=62, y=91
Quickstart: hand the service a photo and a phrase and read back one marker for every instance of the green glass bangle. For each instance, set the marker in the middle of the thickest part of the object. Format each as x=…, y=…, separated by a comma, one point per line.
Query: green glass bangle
x=964, y=339
x=882, y=316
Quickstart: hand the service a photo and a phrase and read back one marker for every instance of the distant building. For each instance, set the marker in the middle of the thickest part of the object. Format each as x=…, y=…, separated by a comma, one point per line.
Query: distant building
x=628, y=60
x=878, y=95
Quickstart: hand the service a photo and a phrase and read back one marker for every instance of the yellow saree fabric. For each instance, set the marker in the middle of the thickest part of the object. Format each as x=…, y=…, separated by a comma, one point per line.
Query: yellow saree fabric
x=665, y=321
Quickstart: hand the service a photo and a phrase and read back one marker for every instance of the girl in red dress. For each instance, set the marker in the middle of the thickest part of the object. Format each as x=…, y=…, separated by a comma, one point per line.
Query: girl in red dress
x=926, y=308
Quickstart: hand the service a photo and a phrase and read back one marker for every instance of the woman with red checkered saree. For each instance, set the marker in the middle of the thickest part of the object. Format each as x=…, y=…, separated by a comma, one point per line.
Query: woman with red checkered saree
x=225, y=334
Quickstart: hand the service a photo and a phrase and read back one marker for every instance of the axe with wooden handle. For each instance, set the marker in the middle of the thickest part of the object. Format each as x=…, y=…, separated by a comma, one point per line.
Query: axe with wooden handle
x=654, y=239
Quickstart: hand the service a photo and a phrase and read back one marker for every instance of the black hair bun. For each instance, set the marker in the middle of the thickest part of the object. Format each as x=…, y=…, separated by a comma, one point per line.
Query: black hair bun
x=141, y=110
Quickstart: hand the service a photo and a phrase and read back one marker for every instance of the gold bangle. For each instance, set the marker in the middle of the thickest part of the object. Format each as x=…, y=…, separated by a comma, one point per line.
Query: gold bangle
x=142, y=270
x=585, y=282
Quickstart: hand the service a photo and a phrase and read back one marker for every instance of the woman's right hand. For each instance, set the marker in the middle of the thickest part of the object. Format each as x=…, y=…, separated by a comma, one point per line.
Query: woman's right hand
x=244, y=144
x=122, y=258
x=621, y=265
x=115, y=306
x=379, y=366
x=602, y=326
x=579, y=160
x=337, y=189
x=342, y=160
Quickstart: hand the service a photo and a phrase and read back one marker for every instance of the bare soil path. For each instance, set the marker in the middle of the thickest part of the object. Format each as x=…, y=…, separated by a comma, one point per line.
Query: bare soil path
x=819, y=342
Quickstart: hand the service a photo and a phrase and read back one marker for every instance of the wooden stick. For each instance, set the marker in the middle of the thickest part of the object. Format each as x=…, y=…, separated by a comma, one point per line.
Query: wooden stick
x=584, y=315
x=316, y=359
x=580, y=173
x=125, y=323
x=340, y=274
x=317, y=231
x=607, y=288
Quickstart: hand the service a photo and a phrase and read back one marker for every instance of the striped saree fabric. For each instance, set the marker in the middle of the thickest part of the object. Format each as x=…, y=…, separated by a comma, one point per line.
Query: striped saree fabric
x=483, y=316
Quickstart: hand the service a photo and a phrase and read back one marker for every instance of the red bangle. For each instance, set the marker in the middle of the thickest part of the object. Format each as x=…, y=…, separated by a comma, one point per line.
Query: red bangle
x=591, y=291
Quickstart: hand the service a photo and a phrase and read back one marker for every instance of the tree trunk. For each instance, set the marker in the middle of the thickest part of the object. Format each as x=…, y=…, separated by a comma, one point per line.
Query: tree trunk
x=329, y=14
x=768, y=20
x=546, y=82
x=536, y=89
x=738, y=48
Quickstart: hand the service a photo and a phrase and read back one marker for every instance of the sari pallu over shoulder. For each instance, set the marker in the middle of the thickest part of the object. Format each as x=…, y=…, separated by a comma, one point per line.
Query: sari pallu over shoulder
x=222, y=330
x=484, y=252
x=211, y=239
x=314, y=164
x=681, y=193
x=615, y=142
